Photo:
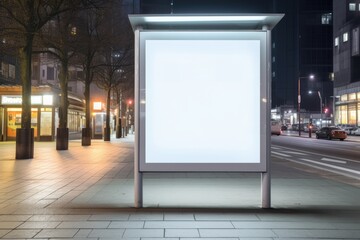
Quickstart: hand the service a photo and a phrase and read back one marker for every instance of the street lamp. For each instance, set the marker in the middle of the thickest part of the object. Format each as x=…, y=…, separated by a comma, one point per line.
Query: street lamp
x=299, y=99
x=321, y=106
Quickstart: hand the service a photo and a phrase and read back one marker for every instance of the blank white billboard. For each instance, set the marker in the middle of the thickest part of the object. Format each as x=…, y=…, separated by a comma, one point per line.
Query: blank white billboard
x=201, y=100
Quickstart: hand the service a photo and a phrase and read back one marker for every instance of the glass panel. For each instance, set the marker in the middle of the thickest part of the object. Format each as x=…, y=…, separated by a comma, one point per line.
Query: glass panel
x=352, y=96
x=343, y=114
x=13, y=121
x=358, y=114
x=352, y=114
x=46, y=122
x=344, y=97
x=352, y=6
x=337, y=115
x=345, y=37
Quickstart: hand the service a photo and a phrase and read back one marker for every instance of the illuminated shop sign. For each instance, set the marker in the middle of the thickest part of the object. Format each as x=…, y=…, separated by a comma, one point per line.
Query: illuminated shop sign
x=35, y=100
x=97, y=106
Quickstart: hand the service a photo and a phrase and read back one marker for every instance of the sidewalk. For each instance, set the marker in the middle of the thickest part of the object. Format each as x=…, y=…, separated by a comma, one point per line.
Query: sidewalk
x=87, y=193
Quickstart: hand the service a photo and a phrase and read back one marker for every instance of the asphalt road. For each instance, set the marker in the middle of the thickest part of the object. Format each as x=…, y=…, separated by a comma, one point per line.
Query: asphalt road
x=340, y=159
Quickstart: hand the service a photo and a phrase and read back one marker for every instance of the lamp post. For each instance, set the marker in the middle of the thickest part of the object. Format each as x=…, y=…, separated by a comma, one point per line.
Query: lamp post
x=321, y=106
x=321, y=111
x=299, y=100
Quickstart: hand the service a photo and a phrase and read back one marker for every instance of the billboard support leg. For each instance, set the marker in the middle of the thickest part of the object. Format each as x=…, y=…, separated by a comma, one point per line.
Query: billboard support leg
x=138, y=182
x=265, y=190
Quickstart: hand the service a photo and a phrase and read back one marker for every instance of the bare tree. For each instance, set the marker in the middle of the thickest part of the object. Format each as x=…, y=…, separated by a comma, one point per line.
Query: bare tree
x=25, y=18
x=92, y=36
x=59, y=38
x=111, y=75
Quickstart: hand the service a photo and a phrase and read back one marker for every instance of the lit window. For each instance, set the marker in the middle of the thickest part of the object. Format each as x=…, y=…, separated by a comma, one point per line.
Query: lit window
x=326, y=18
x=273, y=59
x=352, y=6
x=273, y=74
x=273, y=45
x=352, y=96
x=345, y=37
x=336, y=41
x=73, y=31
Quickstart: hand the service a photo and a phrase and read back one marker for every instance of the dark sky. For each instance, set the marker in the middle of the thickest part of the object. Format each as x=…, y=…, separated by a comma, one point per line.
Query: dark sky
x=221, y=6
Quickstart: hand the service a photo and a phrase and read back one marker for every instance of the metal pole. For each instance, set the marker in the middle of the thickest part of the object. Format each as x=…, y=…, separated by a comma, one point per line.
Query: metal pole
x=299, y=101
x=138, y=179
x=321, y=111
x=266, y=176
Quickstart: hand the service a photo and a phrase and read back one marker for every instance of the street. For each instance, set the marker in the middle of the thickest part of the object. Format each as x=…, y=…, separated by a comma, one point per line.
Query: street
x=339, y=160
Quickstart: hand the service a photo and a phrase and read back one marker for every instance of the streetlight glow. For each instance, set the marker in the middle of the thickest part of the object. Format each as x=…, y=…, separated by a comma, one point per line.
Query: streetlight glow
x=311, y=76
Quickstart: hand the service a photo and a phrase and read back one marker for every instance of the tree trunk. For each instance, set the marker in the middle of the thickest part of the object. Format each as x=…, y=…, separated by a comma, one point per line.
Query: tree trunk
x=24, y=138
x=86, y=132
x=62, y=138
x=107, y=120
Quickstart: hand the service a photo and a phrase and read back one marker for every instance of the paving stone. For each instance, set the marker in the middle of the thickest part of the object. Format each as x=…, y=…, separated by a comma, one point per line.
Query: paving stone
x=84, y=224
x=21, y=233
x=188, y=224
x=129, y=233
x=57, y=233
x=181, y=233
x=127, y=224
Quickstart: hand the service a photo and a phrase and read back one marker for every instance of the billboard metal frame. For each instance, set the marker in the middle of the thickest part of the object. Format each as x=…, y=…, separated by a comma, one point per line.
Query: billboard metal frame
x=211, y=23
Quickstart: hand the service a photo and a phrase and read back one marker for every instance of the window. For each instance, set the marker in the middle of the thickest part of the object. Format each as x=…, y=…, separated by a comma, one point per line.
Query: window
x=43, y=73
x=273, y=59
x=345, y=37
x=273, y=74
x=344, y=97
x=352, y=96
x=352, y=7
x=50, y=73
x=326, y=18
x=336, y=43
x=73, y=31
x=355, y=41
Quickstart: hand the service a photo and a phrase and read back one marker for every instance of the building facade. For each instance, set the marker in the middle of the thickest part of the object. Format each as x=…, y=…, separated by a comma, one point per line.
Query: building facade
x=346, y=59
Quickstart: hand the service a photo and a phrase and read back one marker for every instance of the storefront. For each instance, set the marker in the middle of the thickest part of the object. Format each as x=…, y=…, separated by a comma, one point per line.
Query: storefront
x=347, y=109
x=44, y=112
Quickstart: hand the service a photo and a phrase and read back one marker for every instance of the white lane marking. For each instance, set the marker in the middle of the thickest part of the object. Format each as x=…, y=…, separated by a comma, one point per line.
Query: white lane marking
x=275, y=148
x=333, y=160
x=324, y=155
x=332, y=166
x=296, y=153
x=281, y=154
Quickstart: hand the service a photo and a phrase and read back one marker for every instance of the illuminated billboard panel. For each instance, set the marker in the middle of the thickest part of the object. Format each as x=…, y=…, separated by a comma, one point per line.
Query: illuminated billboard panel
x=202, y=101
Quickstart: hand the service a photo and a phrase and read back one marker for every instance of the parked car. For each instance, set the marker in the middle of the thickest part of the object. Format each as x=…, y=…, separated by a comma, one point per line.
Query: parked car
x=350, y=130
x=283, y=128
x=331, y=133
x=275, y=127
x=356, y=132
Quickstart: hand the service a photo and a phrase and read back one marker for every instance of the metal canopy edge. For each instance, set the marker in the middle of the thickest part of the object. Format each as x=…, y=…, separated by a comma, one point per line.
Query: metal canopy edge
x=205, y=21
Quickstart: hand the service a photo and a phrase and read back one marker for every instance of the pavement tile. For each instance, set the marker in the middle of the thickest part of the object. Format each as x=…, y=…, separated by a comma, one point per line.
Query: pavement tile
x=9, y=225
x=107, y=233
x=14, y=218
x=284, y=225
x=57, y=218
x=181, y=233
x=188, y=224
x=40, y=225
x=179, y=217
x=83, y=233
x=109, y=217
x=21, y=233
x=4, y=232
x=222, y=233
x=57, y=233
x=146, y=216
x=129, y=233
x=318, y=233
x=225, y=216
x=127, y=224
x=84, y=224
